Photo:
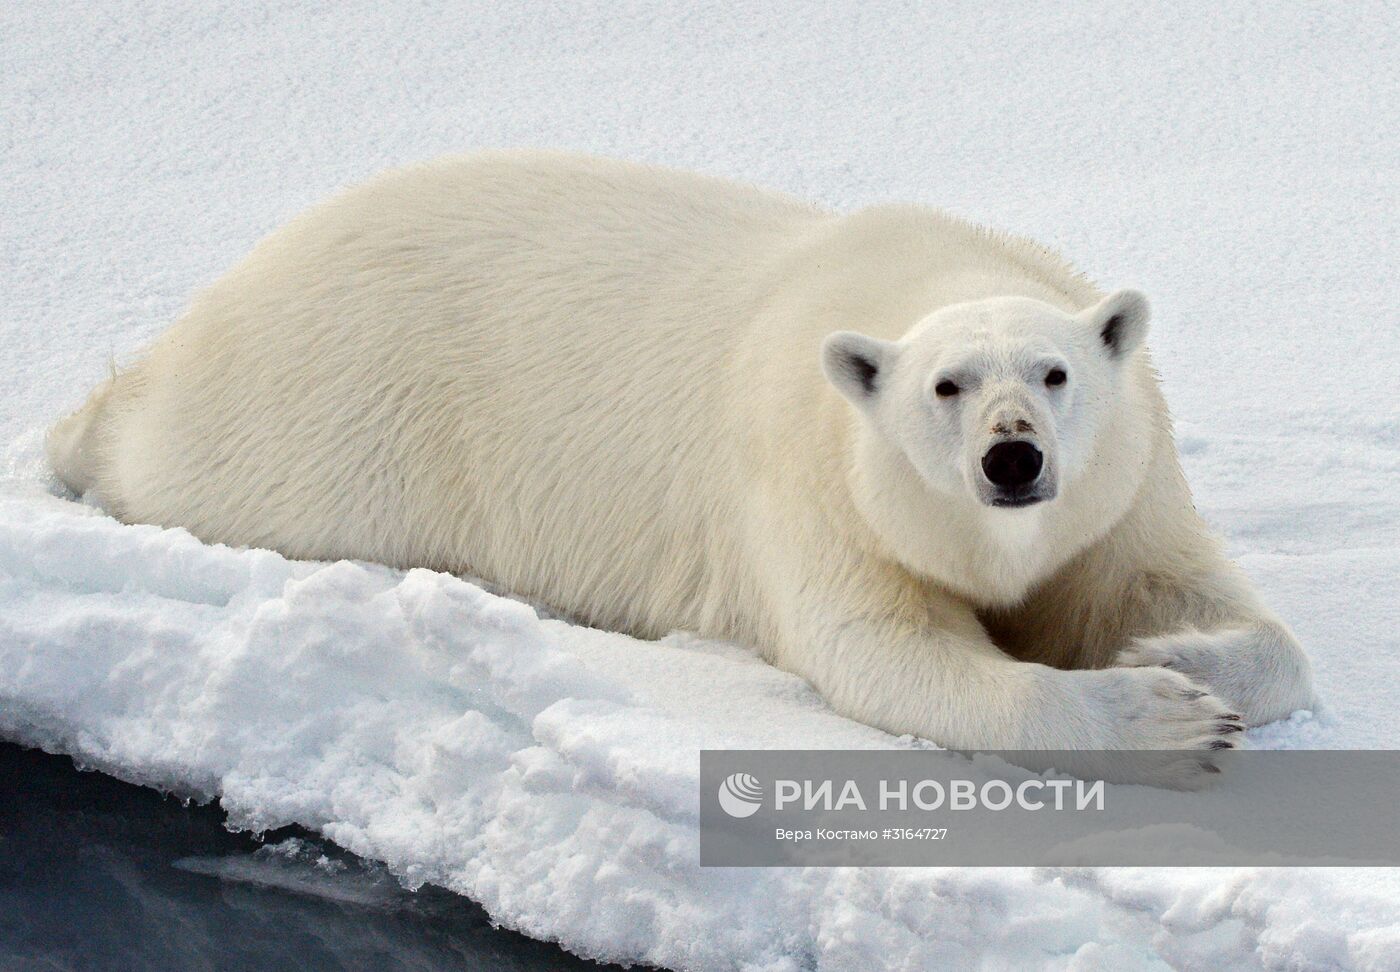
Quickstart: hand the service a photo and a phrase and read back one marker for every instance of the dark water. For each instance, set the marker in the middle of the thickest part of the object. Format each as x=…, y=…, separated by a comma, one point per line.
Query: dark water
x=97, y=874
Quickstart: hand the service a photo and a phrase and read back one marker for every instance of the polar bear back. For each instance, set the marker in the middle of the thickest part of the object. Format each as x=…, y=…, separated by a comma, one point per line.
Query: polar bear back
x=512, y=365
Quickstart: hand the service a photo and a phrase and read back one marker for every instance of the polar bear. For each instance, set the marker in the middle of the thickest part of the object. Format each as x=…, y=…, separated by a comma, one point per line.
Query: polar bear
x=924, y=466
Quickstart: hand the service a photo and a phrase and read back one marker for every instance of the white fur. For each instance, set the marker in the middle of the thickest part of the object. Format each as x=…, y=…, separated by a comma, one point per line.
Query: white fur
x=600, y=385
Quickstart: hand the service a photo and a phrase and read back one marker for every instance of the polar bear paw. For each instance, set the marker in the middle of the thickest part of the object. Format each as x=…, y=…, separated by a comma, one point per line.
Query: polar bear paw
x=1161, y=709
x=1181, y=728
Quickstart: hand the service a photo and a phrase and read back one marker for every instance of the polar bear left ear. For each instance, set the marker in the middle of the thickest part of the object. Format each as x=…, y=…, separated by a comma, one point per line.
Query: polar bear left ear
x=857, y=364
x=1120, y=320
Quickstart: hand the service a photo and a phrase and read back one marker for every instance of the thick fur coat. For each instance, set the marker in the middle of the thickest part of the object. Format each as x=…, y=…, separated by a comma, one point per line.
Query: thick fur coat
x=656, y=400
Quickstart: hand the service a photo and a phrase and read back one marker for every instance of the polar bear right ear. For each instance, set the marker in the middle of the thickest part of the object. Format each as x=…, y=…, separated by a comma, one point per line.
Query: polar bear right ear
x=857, y=364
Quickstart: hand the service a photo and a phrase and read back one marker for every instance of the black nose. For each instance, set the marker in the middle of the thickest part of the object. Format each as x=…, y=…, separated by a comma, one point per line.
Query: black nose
x=1011, y=464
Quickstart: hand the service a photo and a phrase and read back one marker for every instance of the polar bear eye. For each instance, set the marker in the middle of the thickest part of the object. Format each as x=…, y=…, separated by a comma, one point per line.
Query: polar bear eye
x=1055, y=377
x=945, y=389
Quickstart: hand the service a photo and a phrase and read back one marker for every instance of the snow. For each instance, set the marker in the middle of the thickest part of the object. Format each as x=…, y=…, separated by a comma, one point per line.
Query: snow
x=1237, y=161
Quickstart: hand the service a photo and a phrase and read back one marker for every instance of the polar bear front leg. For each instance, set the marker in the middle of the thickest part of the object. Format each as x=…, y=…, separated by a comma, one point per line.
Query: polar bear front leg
x=1158, y=593
x=887, y=651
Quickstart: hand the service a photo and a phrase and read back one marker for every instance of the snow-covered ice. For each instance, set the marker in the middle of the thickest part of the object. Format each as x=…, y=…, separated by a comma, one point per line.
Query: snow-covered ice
x=1238, y=162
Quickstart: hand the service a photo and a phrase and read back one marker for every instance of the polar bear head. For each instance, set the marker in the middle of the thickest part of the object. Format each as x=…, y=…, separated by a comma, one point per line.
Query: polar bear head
x=995, y=402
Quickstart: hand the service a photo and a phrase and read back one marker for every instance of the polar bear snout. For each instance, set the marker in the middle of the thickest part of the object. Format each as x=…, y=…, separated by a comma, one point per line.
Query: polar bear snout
x=1012, y=465
x=1015, y=474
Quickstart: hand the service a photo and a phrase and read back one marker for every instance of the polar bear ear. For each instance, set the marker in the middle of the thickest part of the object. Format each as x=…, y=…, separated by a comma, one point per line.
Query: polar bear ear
x=1120, y=320
x=857, y=364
